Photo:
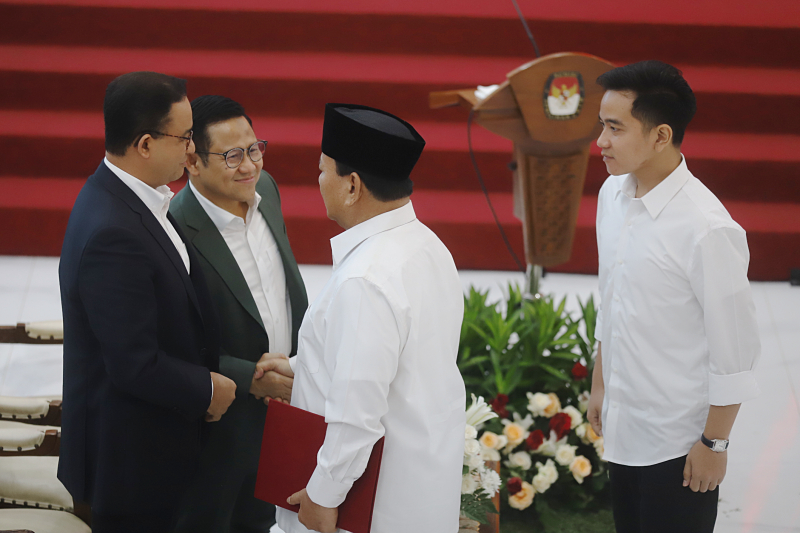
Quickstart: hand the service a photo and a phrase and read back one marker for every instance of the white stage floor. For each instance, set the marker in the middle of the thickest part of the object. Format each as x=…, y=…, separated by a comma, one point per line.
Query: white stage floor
x=761, y=493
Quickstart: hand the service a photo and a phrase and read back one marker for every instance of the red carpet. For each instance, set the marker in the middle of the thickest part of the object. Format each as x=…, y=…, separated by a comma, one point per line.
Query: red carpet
x=284, y=59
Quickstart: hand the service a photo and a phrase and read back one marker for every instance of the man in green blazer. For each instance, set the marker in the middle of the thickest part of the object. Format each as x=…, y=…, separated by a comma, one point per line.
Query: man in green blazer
x=231, y=213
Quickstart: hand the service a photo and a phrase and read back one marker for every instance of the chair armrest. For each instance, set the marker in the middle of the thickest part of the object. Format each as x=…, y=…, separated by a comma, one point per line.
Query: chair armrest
x=32, y=482
x=40, y=411
x=29, y=440
x=48, y=332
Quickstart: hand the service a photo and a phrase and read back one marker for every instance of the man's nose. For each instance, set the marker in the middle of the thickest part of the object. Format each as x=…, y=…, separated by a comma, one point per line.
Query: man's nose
x=602, y=141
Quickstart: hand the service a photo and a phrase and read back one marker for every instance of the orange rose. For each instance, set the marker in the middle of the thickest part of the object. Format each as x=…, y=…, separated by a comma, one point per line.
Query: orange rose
x=524, y=498
x=554, y=407
x=514, y=433
x=580, y=468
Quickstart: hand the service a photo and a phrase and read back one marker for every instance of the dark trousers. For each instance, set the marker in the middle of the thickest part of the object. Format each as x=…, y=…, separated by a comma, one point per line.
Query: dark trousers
x=652, y=499
x=147, y=522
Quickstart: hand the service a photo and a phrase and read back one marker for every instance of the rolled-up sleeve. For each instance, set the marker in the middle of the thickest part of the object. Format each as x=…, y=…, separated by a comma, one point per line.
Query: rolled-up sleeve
x=366, y=340
x=719, y=278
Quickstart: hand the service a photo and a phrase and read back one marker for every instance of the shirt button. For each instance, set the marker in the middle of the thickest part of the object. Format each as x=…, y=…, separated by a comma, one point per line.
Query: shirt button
x=619, y=261
x=614, y=404
x=616, y=298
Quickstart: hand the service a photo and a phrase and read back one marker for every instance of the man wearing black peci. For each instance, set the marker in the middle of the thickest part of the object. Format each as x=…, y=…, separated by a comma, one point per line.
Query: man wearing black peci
x=140, y=336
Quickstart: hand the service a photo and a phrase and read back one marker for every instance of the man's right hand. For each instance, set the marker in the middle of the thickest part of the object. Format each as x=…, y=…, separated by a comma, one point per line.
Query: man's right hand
x=222, y=398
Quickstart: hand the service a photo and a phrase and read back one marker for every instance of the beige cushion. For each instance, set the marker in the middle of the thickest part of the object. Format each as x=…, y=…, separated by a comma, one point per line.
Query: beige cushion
x=21, y=439
x=32, y=480
x=42, y=521
x=51, y=329
x=12, y=424
x=29, y=408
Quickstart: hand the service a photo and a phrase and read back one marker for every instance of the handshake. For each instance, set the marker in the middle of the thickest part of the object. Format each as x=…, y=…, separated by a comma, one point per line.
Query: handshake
x=272, y=380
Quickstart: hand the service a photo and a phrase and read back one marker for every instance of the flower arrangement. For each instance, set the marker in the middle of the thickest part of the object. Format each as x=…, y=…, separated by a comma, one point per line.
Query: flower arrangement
x=479, y=484
x=534, y=361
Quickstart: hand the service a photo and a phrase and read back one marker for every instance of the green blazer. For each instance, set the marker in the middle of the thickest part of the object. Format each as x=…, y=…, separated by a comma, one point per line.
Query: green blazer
x=244, y=338
x=231, y=453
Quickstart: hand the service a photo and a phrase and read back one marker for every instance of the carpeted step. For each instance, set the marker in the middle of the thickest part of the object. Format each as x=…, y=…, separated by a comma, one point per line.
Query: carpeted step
x=44, y=203
x=709, y=32
x=291, y=84
x=734, y=166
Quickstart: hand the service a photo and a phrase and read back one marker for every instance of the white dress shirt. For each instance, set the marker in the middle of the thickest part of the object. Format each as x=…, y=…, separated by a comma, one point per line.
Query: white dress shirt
x=677, y=324
x=254, y=248
x=157, y=201
x=377, y=356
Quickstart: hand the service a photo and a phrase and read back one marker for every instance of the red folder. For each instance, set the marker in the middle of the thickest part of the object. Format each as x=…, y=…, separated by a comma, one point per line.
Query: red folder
x=292, y=438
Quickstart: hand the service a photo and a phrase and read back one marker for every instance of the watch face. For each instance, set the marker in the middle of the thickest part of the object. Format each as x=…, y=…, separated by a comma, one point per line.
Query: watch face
x=720, y=445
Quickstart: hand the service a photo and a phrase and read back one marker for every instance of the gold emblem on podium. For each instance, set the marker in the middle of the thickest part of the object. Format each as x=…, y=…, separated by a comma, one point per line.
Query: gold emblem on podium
x=563, y=95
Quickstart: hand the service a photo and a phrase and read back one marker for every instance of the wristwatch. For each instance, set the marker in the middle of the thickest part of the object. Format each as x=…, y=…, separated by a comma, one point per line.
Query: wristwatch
x=716, y=445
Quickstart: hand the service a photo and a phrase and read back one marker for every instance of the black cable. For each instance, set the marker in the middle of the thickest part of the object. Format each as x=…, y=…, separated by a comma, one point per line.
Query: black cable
x=527, y=29
x=486, y=193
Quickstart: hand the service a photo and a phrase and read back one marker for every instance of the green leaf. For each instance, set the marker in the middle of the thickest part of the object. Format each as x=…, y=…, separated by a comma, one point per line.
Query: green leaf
x=557, y=373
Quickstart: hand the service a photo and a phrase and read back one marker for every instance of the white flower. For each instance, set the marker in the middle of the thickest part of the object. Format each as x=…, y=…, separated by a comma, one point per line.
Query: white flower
x=550, y=445
x=537, y=403
x=548, y=471
x=565, y=454
x=473, y=461
x=580, y=468
x=479, y=412
x=575, y=415
x=599, y=446
x=502, y=442
x=519, y=460
x=524, y=423
x=472, y=447
x=580, y=431
x=470, y=432
x=490, y=454
x=490, y=482
x=524, y=498
x=468, y=484
x=490, y=440
x=541, y=483
x=583, y=401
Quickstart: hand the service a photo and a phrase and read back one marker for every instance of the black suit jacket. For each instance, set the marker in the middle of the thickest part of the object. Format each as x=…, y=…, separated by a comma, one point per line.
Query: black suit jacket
x=140, y=336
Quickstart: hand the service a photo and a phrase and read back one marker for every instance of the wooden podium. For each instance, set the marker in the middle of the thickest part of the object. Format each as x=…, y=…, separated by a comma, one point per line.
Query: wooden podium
x=549, y=109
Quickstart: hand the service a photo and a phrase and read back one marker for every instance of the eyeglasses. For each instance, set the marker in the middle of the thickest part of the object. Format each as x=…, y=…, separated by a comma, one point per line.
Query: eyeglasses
x=187, y=139
x=235, y=156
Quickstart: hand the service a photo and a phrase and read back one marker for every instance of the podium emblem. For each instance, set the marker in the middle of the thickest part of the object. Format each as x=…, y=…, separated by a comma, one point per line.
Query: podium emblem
x=563, y=95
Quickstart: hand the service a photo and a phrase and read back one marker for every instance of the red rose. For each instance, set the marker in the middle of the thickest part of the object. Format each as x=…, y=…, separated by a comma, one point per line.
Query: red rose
x=535, y=439
x=561, y=424
x=514, y=485
x=499, y=405
x=579, y=371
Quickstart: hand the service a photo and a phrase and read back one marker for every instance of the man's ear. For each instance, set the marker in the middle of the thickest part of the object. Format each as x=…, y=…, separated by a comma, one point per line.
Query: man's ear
x=143, y=147
x=356, y=189
x=663, y=137
x=192, y=161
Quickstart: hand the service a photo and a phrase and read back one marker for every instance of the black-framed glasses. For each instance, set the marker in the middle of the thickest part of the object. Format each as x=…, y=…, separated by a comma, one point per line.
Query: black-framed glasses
x=187, y=139
x=235, y=156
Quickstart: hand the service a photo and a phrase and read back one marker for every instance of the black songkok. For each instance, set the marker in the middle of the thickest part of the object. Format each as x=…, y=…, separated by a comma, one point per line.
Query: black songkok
x=370, y=140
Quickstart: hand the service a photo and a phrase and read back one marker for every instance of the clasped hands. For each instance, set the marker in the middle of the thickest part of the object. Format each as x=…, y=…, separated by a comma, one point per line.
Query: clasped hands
x=273, y=378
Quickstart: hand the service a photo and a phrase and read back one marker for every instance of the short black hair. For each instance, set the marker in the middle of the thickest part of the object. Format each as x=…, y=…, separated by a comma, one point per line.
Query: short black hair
x=208, y=110
x=662, y=95
x=138, y=103
x=383, y=189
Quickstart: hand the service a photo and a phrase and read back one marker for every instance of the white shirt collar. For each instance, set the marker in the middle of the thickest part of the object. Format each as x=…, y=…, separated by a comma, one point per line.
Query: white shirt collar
x=156, y=200
x=657, y=199
x=345, y=242
x=220, y=217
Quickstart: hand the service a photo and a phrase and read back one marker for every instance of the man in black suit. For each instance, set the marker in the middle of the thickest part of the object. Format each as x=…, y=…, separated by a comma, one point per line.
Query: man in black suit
x=231, y=213
x=140, y=335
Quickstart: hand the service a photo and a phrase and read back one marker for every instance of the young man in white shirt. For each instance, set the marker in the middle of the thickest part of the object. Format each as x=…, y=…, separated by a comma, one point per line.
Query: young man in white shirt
x=677, y=330
x=377, y=350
